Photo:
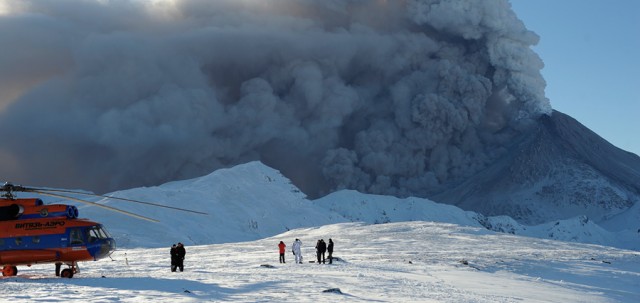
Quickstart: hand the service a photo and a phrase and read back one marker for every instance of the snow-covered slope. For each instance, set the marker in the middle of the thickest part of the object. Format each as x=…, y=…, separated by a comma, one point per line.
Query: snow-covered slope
x=253, y=201
x=376, y=209
x=559, y=171
x=444, y=255
x=246, y=202
x=395, y=262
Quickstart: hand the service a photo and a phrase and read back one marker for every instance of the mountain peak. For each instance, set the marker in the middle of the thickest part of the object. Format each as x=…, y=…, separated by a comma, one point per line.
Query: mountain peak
x=582, y=143
x=558, y=170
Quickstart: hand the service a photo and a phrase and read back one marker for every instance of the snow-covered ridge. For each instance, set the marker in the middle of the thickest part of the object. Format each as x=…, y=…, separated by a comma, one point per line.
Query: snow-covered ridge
x=253, y=201
x=375, y=209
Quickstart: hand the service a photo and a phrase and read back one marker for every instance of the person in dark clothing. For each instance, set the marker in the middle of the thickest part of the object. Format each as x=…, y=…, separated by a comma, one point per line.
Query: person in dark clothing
x=58, y=265
x=330, y=251
x=180, y=253
x=321, y=248
x=174, y=257
x=318, y=251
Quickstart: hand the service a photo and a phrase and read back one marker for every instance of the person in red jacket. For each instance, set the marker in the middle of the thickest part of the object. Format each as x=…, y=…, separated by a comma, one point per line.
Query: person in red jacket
x=282, y=247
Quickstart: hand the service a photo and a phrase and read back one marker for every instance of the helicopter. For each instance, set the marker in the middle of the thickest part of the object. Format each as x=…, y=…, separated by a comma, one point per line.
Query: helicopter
x=32, y=232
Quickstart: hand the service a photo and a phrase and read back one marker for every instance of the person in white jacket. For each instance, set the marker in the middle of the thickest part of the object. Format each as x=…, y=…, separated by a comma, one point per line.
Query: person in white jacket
x=297, y=250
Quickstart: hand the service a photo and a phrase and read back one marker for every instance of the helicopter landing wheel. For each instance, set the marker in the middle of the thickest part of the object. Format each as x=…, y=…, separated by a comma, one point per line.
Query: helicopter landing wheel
x=9, y=270
x=67, y=273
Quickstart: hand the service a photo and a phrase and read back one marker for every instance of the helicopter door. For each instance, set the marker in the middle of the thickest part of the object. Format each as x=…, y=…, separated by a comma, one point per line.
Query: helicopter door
x=76, y=237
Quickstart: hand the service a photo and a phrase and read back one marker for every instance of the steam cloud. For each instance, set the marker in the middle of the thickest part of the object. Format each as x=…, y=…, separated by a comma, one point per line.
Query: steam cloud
x=389, y=97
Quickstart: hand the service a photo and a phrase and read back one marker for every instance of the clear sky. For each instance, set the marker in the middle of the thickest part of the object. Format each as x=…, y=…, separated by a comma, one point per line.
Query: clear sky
x=591, y=51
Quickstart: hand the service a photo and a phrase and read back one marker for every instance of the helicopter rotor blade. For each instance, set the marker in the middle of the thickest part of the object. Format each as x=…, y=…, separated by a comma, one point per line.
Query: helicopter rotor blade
x=115, y=198
x=94, y=204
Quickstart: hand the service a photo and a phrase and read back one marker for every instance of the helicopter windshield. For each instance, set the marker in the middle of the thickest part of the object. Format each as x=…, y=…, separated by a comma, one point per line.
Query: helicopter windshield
x=97, y=232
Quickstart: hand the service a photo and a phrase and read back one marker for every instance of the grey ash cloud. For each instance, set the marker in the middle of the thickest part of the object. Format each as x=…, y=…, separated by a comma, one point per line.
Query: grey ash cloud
x=388, y=97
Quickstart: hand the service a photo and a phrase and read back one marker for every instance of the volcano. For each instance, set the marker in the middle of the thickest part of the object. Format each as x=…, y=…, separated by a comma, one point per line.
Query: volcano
x=559, y=169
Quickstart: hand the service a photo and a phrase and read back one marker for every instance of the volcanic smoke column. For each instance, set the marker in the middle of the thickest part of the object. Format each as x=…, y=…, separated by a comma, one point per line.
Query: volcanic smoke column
x=389, y=97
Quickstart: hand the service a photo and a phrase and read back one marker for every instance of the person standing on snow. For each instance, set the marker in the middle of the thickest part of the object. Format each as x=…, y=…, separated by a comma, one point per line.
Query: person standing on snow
x=180, y=253
x=330, y=251
x=297, y=250
x=321, y=248
x=174, y=257
x=318, y=251
x=282, y=247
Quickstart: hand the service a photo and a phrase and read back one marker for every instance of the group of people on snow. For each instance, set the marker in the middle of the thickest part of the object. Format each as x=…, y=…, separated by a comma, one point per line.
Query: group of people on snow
x=178, y=252
x=296, y=248
x=177, y=257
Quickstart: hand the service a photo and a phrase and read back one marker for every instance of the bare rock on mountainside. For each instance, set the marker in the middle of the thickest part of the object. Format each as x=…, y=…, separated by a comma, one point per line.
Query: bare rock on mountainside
x=561, y=169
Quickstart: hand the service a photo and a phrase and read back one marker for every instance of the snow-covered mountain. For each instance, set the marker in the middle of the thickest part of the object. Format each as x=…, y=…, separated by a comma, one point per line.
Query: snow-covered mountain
x=246, y=202
x=559, y=170
x=253, y=201
x=445, y=254
x=559, y=180
x=436, y=99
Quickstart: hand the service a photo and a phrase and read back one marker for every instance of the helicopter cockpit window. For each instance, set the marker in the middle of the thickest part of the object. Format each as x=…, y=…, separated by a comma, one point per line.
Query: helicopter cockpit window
x=104, y=232
x=96, y=232
x=76, y=236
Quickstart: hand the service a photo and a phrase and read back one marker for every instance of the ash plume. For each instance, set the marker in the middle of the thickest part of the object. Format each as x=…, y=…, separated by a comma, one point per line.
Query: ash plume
x=388, y=97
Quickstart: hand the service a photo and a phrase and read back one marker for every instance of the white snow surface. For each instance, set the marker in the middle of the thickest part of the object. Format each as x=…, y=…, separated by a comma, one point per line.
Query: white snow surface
x=395, y=250
x=395, y=262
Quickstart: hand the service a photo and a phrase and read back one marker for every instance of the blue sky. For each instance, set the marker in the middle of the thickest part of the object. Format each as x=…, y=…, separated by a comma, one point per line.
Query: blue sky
x=591, y=53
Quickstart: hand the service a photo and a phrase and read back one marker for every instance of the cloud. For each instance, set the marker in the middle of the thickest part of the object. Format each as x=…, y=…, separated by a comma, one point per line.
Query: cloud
x=393, y=97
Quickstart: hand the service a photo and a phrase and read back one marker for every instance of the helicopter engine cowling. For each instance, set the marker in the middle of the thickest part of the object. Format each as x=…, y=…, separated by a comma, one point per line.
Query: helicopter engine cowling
x=11, y=212
x=72, y=212
x=50, y=211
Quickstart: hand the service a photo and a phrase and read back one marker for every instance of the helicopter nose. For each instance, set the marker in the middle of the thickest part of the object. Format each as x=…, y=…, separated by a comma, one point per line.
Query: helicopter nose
x=108, y=246
x=104, y=248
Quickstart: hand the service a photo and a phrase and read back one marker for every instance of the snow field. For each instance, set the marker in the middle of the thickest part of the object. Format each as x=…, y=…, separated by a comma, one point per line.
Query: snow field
x=394, y=262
